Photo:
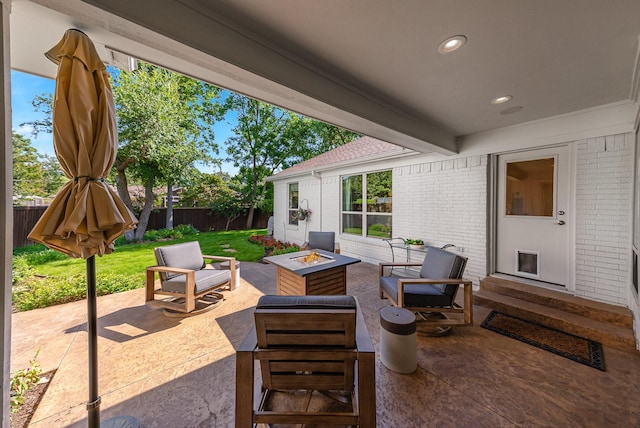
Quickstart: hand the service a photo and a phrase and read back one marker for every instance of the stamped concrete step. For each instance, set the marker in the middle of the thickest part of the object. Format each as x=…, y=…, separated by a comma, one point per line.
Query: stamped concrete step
x=606, y=333
x=604, y=312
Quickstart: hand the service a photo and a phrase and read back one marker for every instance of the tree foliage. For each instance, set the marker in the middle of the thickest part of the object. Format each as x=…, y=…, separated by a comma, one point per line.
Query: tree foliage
x=268, y=139
x=165, y=126
x=28, y=177
x=33, y=174
x=201, y=189
x=42, y=103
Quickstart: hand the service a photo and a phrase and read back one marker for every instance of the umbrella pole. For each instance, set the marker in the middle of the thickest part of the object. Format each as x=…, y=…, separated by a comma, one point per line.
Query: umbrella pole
x=93, y=405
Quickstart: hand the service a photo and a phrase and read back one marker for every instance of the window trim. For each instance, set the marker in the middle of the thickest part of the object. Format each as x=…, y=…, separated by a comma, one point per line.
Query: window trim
x=364, y=213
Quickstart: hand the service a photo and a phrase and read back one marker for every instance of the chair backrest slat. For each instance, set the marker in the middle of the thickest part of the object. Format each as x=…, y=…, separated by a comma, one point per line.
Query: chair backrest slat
x=307, y=342
x=335, y=327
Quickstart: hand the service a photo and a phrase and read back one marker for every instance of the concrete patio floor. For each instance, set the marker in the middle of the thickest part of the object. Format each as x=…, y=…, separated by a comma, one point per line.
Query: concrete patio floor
x=180, y=372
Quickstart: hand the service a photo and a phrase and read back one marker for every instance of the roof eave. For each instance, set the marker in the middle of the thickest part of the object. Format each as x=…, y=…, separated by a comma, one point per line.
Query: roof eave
x=342, y=164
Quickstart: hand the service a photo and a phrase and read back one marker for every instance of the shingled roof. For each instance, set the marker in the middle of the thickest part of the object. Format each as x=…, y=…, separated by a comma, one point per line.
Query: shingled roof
x=361, y=149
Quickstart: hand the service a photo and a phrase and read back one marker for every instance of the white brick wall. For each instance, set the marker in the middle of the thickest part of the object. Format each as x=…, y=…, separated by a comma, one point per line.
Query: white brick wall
x=440, y=202
x=604, y=174
x=445, y=201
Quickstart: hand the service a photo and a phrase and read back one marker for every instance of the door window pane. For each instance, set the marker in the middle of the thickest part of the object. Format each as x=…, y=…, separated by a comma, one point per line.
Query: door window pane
x=530, y=188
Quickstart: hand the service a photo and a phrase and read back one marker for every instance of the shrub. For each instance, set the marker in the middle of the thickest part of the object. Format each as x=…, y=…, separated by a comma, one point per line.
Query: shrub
x=285, y=250
x=33, y=293
x=186, y=229
x=21, y=270
x=41, y=255
x=151, y=235
x=265, y=240
x=272, y=246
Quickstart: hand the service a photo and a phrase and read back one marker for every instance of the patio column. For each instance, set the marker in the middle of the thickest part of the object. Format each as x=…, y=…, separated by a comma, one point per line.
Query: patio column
x=6, y=213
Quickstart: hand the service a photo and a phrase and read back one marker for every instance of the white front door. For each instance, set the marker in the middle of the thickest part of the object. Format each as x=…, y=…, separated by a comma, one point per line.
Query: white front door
x=532, y=218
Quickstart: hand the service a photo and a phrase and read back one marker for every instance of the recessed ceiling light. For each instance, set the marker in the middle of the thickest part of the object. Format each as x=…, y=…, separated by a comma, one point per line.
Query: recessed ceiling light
x=451, y=44
x=502, y=99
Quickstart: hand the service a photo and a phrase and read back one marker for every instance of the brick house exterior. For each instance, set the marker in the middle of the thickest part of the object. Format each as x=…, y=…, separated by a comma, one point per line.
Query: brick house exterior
x=447, y=200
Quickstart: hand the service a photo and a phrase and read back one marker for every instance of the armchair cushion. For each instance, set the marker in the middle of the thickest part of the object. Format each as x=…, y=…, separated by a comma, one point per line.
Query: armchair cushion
x=306, y=302
x=418, y=295
x=443, y=264
x=205, y=279
x=322, y=241
x=184, y=256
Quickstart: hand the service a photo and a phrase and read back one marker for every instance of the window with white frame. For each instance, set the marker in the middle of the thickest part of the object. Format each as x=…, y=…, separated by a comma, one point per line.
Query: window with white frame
x=366, y=204
x=293, y=203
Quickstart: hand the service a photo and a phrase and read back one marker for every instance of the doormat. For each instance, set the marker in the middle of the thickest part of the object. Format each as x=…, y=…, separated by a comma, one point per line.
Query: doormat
x=575, y=348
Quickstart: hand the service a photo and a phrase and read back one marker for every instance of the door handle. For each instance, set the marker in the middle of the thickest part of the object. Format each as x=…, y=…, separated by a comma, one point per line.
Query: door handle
x=560, y=222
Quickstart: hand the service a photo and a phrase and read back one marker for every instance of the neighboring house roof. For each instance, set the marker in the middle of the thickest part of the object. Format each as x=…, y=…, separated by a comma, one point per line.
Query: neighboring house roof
x=364, y=149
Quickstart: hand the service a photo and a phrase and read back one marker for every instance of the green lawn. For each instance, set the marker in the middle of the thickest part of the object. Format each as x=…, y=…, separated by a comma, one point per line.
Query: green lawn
x=44, y=277
x=132, y=259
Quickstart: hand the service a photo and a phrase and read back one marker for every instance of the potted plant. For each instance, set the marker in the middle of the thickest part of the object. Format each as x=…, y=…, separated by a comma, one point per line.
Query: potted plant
x=416, y=244
x=302, y=214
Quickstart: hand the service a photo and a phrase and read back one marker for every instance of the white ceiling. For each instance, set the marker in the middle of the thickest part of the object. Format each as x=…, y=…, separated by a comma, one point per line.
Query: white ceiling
x=369, y=65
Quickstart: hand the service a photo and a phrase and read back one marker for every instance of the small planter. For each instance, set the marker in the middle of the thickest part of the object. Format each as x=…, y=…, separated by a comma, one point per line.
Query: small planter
x=416, y=246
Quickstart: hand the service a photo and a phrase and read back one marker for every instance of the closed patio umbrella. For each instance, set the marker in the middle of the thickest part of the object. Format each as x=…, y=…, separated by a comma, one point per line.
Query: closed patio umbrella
x=86, y=215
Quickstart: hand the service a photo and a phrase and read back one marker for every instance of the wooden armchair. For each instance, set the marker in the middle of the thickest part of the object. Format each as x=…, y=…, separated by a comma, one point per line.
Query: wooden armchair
x=431, y=296
x=189, y=282
x=307, y=343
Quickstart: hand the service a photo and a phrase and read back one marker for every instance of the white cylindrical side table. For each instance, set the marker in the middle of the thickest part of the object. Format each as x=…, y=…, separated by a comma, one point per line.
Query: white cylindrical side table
x=398, y=339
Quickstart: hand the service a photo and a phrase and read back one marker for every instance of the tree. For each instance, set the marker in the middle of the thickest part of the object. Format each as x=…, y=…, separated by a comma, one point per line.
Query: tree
x=228, y=201
x=165, y=126
x=268, y=138
x=28, y=175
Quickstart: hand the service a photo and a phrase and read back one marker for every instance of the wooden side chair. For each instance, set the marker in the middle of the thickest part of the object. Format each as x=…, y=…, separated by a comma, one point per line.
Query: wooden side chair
x=307, y=343
x=431, y=296
x=187, y=279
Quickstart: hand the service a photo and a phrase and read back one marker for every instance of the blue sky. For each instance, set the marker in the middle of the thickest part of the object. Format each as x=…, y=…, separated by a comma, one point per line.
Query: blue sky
x=24, y=88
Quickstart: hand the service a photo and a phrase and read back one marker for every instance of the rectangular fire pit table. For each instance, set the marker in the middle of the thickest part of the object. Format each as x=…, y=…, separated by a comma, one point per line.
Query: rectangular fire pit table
x=295, y=276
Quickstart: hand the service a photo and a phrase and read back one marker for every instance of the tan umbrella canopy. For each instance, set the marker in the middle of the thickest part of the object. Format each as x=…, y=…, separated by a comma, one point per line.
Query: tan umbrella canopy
x=86, y=215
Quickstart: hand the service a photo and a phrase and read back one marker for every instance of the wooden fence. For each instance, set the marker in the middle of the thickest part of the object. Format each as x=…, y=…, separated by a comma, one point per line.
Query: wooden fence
x=24, y=218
